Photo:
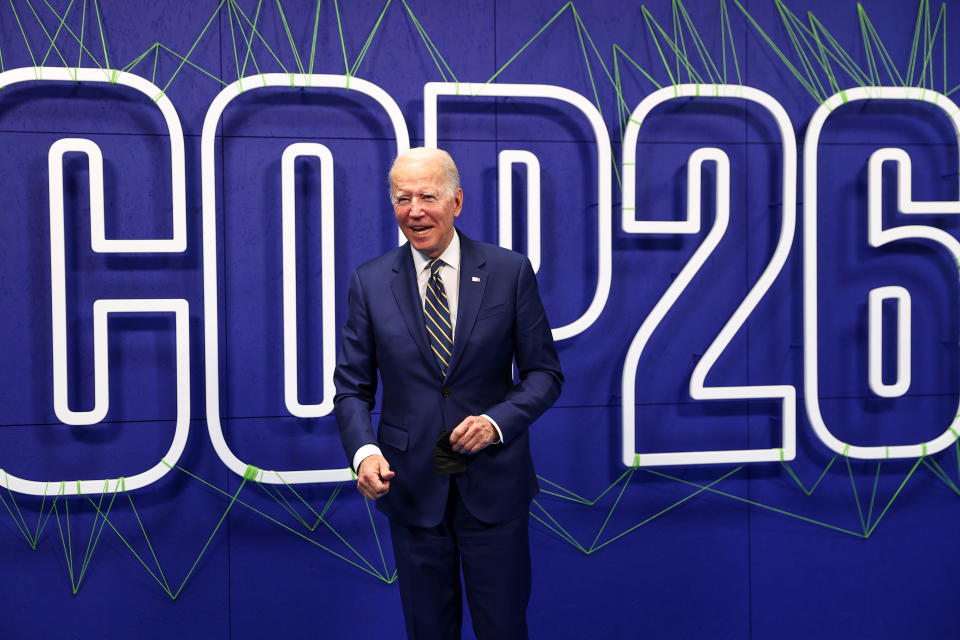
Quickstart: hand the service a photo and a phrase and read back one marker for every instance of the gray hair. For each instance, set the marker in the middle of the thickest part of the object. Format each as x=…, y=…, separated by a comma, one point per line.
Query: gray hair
x=451, y=175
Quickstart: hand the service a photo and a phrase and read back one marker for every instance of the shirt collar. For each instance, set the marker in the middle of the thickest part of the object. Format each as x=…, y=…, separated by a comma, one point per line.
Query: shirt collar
x=450, y=255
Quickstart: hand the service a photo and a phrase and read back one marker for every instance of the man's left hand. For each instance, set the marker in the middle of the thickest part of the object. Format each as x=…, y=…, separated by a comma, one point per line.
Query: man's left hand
x=474, y=434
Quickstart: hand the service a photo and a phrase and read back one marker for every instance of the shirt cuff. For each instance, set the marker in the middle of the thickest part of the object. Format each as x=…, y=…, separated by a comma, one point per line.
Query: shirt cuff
x=495, y=426
x=365, y=451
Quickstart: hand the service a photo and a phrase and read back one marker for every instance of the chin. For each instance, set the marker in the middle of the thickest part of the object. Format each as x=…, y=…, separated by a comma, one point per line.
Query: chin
x=424, y=245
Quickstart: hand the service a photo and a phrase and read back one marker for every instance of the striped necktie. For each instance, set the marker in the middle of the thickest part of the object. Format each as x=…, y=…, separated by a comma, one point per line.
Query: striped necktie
x=436, y=311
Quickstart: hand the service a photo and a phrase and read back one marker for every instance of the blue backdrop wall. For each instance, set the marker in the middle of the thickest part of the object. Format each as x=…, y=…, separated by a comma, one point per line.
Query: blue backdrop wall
x=824, y=545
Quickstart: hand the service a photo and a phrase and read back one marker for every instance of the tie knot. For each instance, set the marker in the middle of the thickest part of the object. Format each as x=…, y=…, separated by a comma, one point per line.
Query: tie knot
x=435, y=265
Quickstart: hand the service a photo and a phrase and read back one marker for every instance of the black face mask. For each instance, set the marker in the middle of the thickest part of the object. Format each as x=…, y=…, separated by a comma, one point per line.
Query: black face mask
x=446, y=461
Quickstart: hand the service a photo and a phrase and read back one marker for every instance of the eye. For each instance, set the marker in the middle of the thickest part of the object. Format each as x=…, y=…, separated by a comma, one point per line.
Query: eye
x=401, y=199
x=429, y=197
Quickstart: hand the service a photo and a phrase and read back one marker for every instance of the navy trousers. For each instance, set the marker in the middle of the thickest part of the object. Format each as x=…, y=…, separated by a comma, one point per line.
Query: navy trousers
x=494, y=559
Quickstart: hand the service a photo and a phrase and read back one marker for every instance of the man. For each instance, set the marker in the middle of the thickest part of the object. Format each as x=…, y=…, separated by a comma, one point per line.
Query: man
x=442, y=319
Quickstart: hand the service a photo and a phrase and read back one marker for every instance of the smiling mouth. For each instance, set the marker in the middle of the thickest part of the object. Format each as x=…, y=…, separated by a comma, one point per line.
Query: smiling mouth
x=420, y=228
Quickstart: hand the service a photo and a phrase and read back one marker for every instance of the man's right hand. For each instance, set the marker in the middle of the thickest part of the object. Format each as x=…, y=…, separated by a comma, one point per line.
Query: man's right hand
x=373, y=477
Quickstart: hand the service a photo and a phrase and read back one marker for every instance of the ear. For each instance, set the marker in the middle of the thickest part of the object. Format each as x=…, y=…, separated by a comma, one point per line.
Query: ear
x=458, y=200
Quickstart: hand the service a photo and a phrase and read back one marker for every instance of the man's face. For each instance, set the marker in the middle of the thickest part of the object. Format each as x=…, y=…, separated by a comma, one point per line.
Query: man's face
x=424, y=206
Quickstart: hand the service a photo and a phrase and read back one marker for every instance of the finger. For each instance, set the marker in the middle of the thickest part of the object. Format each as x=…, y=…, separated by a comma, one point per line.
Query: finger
x=365, y=491
x=485, y=435
x=370, y=481
x=458, y=432
x=474, y=440
x=373, y=489
x=384, y=472
x=476, y=444
x=465, y=431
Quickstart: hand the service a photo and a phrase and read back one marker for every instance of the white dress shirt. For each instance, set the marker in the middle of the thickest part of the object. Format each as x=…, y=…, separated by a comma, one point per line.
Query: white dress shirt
x=450, y=274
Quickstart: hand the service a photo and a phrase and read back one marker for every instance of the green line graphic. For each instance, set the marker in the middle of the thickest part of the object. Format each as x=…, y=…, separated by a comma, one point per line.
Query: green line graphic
x=815, y=58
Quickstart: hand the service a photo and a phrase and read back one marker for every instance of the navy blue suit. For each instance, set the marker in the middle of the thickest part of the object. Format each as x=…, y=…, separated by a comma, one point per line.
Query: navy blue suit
x=500, y=320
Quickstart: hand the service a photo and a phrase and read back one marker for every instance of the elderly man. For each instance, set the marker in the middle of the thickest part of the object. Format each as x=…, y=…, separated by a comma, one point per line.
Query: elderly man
x=442, y=319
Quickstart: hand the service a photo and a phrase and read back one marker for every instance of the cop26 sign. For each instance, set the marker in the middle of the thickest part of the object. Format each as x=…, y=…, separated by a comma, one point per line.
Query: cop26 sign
x=632, y=221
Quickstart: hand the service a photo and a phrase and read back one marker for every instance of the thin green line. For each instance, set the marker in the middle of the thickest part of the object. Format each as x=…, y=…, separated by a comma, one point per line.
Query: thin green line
x=282, y=501
x=83, y=47
x=376, y=537
x=776, y=50
x=822, y=55
x=249, y=41
x=53, y=40
x=565, y=534
x=941, y=475
x=156, y=59
x=892, y=72
x=613, y=507
x=581, y=498
x=956, y=448
x=758, y=504
x=856, y=494
x=133, y=63
x=431, y=47
x=894, y=497
x=184, y=60
x=929, y=43
x=593, y=45
x=146, y=537
x=915, y=45
x=286, y=28
x=66, y=555
x=506, y=64
x=873, y=494
x=256, y=32
x=868, y=49
x=323, y=520
x=20, y=528
x=92, y=543
x=678, y=38
x=233, y=41
x=733, y=45
x=797, y=32
x=42, y=521
x=665, y=509
x=586, y=62
x=289, y=507
x=83, y=24
x=705, y=58
x=280, y=524
x=23, y=33
x=136, y=555
x=343, y=45
x=329, y=502
x=192, y=47
x=369, y=40
x=816, y=484
x=203, y=550
x=558, y=533
x=649, y=77
x=651, y=22
x=567, y=495
x=313, y=40
x=840, y=55
x=103, y=39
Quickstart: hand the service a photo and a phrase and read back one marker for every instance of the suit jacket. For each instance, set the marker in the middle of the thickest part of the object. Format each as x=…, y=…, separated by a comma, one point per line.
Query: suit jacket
x=500, y=319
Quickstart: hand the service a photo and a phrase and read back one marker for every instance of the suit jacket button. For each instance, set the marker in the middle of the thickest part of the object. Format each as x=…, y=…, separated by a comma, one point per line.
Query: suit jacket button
x=446, y=392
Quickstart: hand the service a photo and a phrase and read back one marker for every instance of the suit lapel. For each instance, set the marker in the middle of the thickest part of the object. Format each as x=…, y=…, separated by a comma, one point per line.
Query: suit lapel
x=407, y=294
x=473, y=281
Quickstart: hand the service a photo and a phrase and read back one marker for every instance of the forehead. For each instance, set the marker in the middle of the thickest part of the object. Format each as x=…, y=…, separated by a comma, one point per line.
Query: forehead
x=417, y=174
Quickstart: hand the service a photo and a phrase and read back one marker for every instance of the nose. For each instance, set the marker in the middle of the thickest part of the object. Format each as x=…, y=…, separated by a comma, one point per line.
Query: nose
x=416, y=208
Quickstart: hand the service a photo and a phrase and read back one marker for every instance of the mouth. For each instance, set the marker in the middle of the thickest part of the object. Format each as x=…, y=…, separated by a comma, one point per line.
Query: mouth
x=420, y=230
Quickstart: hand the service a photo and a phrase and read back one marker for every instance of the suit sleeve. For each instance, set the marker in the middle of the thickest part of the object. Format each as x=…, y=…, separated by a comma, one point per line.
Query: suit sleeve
x=537, y=363
x=355, y=376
